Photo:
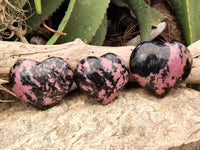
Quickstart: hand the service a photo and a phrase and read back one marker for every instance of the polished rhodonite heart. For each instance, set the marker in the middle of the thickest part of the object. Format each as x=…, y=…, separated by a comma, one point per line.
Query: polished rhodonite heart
x=101, y=78
x=159, y=68
x=41, y=84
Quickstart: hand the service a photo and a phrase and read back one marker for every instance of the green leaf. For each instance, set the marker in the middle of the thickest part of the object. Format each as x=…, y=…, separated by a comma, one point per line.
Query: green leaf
x=63, y=23
x=120, y=3
x=48, y=8
x=156, y=17
x=100, y=35
x=188, y=14
x=146, y=17
x=38, y=6
x=85, y=19
x=22, y=2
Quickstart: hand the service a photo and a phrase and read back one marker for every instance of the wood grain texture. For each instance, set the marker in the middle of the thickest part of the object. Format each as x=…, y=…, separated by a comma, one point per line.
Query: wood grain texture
x=73, y=52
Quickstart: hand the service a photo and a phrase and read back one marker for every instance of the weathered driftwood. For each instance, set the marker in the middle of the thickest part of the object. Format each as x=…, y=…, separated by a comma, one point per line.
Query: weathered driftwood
x=194, y=76
x=73, y=52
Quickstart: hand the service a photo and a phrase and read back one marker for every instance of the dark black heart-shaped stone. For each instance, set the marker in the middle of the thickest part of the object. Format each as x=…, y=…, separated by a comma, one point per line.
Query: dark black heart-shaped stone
x=101, y=78
x=160, y=67
x=41, y=84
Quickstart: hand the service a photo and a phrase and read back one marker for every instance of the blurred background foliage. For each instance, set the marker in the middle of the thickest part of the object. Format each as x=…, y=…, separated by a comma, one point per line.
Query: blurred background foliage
x=92, y=21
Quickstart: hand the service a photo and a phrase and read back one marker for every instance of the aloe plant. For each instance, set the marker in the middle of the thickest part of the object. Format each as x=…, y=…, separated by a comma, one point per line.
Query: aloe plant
x=63, y=22
x=188, y=14
x=48, y=8
x=145, y=15
x=142, y=13
x=100, y=34
x=86, y=19
x=79, y=23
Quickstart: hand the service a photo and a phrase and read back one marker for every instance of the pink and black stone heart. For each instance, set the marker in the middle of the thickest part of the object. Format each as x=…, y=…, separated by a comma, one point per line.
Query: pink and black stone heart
x=101, y=78
x=159, y=68
x=41, y=84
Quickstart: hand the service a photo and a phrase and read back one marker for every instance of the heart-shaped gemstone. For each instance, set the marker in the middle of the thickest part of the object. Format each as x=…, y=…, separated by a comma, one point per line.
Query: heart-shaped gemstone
x=41, y=84
x=101, y=78
x=159, y=68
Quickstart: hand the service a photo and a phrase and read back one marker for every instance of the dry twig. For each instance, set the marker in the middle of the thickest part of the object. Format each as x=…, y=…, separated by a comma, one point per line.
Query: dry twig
x=73, y=52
